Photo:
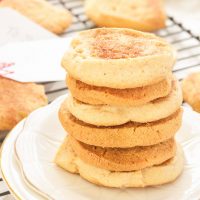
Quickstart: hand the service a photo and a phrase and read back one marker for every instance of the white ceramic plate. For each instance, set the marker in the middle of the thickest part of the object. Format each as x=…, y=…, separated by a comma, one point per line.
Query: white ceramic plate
x=10, y=169
x=42, y=134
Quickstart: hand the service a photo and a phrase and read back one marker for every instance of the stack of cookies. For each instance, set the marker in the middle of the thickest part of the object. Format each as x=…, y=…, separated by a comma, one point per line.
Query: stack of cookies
x=124, y=109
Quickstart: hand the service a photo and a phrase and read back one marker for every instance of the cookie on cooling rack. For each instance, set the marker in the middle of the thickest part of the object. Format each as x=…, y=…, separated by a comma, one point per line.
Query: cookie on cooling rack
x=143, y=15
x=50, y=17
x=191, y=90
x=17, y=100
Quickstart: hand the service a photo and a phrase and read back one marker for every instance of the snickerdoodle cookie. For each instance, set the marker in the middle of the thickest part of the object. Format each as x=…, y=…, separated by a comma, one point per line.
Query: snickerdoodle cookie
x=118, y=97
x=119, y=58
x=107, y=115
x=155, y=175
x=124, y=159
x=17, y=100
x=191, y=90
x=143, y=15
x=127, y=135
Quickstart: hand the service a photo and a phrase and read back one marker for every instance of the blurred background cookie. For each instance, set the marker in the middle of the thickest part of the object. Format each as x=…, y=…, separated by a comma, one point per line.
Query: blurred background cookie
x=191, y=90
x=18, y=100
x=144, y=15
x=50, y=17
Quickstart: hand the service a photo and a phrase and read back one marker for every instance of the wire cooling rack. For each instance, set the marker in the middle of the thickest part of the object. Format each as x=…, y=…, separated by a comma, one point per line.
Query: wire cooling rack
x=187, y=45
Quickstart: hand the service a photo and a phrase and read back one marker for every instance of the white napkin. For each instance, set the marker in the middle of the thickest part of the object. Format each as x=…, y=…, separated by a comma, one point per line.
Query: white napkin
x=28, y=52
x=14, y=27
x=35, y=61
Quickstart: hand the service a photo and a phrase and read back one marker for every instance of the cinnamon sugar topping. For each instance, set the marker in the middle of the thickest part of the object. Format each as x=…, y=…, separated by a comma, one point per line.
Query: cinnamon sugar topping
x=118, y=44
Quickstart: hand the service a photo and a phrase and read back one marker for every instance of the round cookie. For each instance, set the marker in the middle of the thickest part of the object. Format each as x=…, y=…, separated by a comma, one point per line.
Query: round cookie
x=107, y=115
x=155, y=175
x=17, y=100
x=145, y=15
x=127, y=135
x=124, y=159
x=118, y=97
x=133, y=58
x=191, y=90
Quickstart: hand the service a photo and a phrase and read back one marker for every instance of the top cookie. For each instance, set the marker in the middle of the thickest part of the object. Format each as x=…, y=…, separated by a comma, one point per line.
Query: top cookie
x=143, y=15
x=118, y=58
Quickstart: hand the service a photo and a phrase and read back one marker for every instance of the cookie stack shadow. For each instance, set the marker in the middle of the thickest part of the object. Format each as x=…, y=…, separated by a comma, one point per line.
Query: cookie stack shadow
x=123, y=111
